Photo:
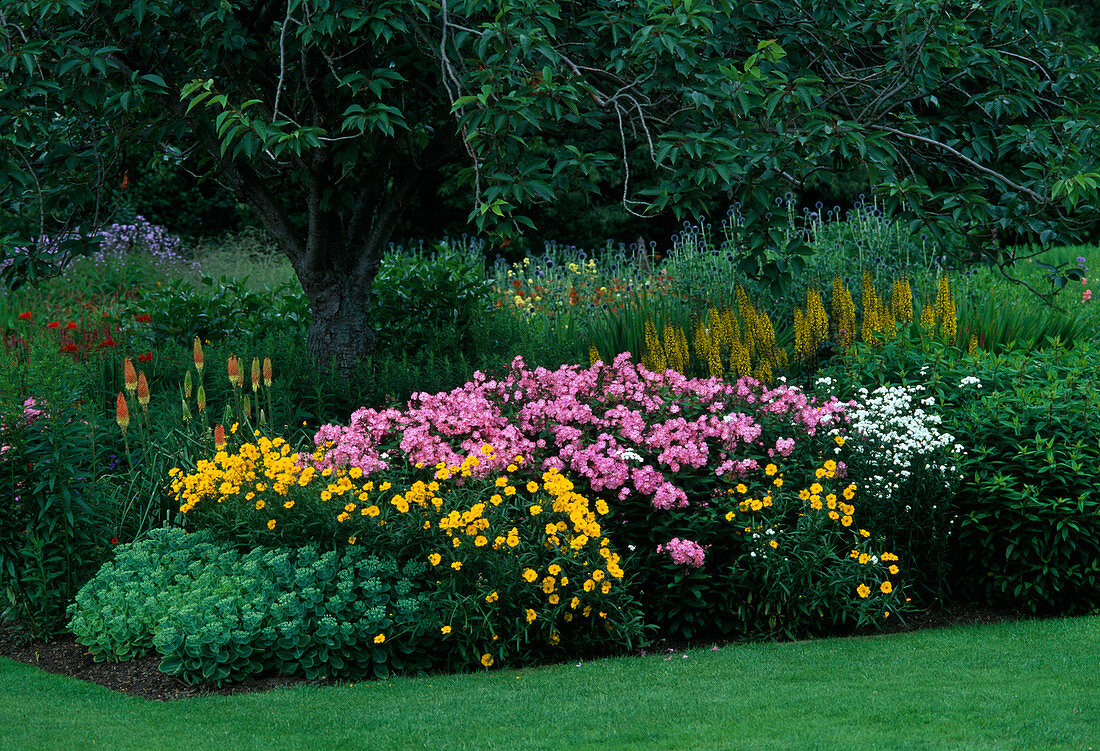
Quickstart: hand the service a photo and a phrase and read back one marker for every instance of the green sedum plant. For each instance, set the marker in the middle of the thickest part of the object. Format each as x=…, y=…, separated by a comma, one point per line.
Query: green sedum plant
x=216, y=615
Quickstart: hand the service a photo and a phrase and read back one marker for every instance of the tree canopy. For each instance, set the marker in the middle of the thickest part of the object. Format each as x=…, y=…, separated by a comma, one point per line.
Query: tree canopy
x=977, y=119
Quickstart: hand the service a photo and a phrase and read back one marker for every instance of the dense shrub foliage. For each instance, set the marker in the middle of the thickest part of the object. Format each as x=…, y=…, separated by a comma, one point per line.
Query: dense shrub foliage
x=730, y=462
x=1025, y=510
x=215, y=614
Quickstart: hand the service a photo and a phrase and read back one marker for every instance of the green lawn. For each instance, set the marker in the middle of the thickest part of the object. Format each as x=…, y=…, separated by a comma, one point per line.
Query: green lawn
x=1033, y=685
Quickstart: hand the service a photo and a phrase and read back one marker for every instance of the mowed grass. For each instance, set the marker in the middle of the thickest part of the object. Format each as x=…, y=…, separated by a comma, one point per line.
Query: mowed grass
x=1031, y=685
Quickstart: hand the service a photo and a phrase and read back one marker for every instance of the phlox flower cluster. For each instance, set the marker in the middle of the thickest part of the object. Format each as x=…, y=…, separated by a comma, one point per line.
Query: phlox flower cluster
x=897, y=436
x=618, y=427
x=684, y=552
x=31, y=412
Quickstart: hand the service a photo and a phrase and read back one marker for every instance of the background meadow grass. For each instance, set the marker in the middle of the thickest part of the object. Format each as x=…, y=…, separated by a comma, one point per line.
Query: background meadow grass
x=1025, y=685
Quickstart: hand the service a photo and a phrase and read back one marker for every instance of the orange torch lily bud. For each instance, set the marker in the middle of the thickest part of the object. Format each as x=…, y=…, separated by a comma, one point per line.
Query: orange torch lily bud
x=255, y=374
x=143, y=390
x=187, y=385
x=246, y=405
x=267, y=372
x=234, y=371
x=186, y=410
x=129, y=376
x=200, y=398
x=122, y=413
x=219, y=436
x=198, y=355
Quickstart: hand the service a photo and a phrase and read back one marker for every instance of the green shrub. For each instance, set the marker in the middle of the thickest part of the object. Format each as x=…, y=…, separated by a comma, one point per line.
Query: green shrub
x=50, y=533
x=216, y=615
x=1027, y=511
x=429, y=300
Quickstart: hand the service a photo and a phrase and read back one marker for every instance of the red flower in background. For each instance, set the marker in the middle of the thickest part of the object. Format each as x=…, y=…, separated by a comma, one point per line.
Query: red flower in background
x=70, y=348
x=145, y=357
x=108, y=342
x=144, y=318
x=70, y=325
x=53, y=324
x=25, y=315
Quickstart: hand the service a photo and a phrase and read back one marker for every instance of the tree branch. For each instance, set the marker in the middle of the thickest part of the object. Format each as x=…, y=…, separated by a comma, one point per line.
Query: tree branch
x=966, y=160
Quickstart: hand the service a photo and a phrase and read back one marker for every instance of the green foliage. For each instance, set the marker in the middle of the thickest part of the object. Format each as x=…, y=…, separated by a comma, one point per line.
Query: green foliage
x=430, y=301
x=1001, y=319
x=50, y=533
x=217, y=616
x=217, y=309
x=777, y=563
x=1029, y=513
x=975, y=121
x=1025, y=510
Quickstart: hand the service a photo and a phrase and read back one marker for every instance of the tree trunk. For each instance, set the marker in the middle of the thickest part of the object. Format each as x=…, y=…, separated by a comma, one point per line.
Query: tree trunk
x=340, y=335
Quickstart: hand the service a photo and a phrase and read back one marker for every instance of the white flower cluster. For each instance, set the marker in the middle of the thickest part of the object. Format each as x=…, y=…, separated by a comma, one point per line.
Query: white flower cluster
x=897, y=435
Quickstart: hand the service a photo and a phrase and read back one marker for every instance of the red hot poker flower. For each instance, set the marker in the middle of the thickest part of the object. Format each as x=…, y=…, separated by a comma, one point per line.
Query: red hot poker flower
x=129, y=376
x=219, y=436
x=143, y=390
x=122, y=413
x=235, y=377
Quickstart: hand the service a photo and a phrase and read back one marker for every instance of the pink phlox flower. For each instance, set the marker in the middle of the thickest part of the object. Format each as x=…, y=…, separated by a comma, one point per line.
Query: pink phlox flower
x=684, y=552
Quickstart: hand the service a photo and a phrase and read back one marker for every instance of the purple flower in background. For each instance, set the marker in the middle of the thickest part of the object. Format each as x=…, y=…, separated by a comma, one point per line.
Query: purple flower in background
x=117, y=242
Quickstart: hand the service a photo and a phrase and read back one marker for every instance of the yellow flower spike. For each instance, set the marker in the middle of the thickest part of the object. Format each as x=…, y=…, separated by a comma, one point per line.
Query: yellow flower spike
x=255, y=374
x=267, y=372
x=198, y=356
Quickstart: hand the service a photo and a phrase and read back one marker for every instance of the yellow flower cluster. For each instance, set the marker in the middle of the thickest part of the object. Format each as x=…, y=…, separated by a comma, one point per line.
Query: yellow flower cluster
x=719, y=344
x=817, y=499
x=844, y=315
x=811, y=327
x=881, y=317
x=267, y=466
